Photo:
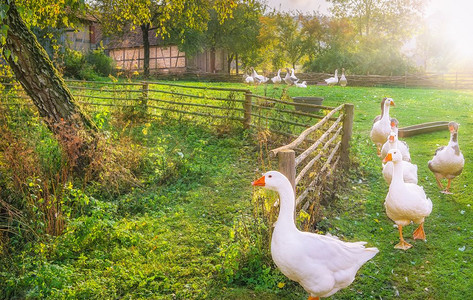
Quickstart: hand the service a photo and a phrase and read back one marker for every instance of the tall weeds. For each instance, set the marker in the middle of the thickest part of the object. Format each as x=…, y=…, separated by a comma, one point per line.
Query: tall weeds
x=37, y=172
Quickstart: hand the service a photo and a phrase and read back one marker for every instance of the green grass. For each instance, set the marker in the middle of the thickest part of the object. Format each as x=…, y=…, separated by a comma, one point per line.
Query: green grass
x=181, y=238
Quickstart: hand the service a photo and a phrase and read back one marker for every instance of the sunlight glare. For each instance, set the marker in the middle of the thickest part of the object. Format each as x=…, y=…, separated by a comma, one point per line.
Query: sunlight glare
x=458, y=25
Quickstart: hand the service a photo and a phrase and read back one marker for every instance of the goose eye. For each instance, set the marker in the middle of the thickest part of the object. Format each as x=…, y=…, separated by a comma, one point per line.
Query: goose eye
x=270, y=176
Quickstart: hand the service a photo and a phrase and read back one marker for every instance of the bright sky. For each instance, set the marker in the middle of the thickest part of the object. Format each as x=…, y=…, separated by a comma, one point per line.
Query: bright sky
x=455, y=19
x=305, y=6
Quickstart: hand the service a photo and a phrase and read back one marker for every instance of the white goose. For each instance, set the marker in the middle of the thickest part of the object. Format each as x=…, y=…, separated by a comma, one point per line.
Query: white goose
x=343, y=80
x=259, y=78
x=405, y=202
x=394, y=143
x=277, y=78
x=448, y=160
x=382, y=127
x=301, y=85
x=322, y=265
x=290, y=79
x=332, y=80
x=293, y=75
x=409, y=173
x=248, y=79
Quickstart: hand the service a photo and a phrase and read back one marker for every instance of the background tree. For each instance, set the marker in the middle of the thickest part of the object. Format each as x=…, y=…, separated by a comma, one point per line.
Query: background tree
x=382, y=28
x=291, y=41
x=266, y=55
x=314, y=31
x=238, y=35
x=365, y=13
x=336, y=46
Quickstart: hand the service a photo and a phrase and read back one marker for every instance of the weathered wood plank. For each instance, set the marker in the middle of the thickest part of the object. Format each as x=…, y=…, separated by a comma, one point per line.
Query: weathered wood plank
x=305, y=133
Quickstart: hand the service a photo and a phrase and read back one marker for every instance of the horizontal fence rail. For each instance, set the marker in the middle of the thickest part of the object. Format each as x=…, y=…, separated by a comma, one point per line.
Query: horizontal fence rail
x=216, y=105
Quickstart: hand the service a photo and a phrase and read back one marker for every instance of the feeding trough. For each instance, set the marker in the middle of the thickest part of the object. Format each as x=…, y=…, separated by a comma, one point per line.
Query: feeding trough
x=422, y=128
x=308, y=100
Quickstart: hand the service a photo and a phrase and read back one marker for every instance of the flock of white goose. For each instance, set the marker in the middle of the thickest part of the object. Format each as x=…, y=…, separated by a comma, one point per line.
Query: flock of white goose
x=322, y=264
x=406, y=202
x=291, y=79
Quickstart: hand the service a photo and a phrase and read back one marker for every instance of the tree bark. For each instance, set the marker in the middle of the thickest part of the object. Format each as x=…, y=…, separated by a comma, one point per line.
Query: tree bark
x=145, y=31
x=49, y=93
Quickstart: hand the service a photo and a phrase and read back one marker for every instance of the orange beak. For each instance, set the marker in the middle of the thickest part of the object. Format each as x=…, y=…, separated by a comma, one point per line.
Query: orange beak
x=392, y=103
x=451, y=128
x=388, y=157
x=259, y=182
x=393, y=124
x=391, y=138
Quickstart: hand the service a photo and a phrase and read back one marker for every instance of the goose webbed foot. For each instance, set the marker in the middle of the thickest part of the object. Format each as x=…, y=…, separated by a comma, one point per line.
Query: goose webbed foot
x=446, y=192
x=419, y=233
x=403, y=245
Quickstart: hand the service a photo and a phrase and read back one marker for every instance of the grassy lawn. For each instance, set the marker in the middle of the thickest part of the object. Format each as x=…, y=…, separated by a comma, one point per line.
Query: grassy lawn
x=175, y=237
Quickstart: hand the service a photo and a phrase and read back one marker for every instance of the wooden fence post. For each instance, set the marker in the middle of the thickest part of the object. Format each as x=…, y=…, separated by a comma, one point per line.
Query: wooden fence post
x=247, y=107
x=144, y=96
x=287, y=165
x=347, y=132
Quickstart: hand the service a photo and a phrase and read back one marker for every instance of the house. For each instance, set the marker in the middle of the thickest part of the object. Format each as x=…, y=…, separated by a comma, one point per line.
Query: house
x=128, y=52
x=209, y=62
x=85, y=37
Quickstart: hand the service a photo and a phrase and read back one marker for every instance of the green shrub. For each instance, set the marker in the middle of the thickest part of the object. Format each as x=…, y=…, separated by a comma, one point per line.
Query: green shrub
x=101, y=63
x=76, y=65
x=88, y=73
x=74, y=62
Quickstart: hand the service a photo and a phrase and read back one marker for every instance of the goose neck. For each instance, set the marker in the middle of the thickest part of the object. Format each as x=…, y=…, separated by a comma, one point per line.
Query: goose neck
x=397, y=173
x=453, y=138
x=286, y=205
x=385, y=112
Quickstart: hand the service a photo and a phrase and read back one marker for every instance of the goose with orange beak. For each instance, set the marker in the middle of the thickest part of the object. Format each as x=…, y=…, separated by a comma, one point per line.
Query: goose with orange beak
x=448, y=160
x=321, y=264
x=394, y=125
x=405, y=202
x=394, y=143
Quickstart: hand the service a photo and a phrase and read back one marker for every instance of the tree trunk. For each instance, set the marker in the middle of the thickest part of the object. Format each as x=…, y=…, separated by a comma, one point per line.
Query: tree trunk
x=236, y=63
x=145, y=31
x=212, y=60
x=229, y=62
x=41, y=81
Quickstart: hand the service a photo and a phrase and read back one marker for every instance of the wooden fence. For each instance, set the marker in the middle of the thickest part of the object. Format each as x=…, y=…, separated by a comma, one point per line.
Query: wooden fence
x=202, y=103
x=313, y=167
x=322, y=147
